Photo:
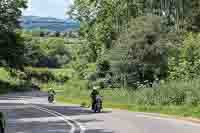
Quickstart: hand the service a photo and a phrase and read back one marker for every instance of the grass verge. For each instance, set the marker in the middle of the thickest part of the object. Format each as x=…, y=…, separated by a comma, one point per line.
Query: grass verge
x=177, y=111
x=176, y=98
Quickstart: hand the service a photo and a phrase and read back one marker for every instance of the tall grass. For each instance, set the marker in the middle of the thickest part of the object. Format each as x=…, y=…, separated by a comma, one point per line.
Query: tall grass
x=170, y=93
x=180, y=98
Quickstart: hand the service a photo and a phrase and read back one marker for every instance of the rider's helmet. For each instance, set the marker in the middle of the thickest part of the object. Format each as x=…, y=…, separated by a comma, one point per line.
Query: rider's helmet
x=95, y=88
x=51, y=90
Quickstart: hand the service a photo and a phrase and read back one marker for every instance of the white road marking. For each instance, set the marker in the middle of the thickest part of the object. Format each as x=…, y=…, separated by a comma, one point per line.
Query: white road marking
x=61, y=117
x=168, y=119
x=82, y=128
x=57, y=114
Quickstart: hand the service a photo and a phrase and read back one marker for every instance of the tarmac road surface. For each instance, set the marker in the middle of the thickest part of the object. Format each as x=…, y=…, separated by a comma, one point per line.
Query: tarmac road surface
x=31, y=113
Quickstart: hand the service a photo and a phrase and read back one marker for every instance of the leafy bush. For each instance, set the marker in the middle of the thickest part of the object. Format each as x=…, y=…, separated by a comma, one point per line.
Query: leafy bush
x=44, y=75
x=186, y=62
x=170, y=93
x=46, y=52
x=9, y=81
x=141, y=52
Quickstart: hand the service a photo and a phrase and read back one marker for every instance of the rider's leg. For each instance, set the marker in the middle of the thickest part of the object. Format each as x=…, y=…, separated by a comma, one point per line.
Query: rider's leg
x=93, y=103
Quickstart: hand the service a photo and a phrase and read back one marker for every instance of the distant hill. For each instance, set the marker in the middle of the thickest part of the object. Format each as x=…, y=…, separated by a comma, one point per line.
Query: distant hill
x=48, y=23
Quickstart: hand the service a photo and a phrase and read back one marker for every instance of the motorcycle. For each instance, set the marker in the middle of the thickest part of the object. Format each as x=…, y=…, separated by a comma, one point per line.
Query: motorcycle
x=51, y=98
x=98, y=105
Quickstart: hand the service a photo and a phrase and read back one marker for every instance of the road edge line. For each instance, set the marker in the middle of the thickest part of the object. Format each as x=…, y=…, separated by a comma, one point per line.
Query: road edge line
x=61, y=117
x=65, y=118
x=82, y=128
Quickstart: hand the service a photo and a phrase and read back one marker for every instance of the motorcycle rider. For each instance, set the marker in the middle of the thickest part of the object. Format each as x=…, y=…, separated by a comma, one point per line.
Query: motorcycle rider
x=93, y=96
x=51, y=92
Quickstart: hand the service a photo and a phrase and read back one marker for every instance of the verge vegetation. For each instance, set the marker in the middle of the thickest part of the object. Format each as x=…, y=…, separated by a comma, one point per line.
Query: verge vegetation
x=144, y=55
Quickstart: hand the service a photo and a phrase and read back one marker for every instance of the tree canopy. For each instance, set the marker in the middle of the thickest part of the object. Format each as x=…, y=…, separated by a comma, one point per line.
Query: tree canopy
x=137, y=39
x=11, y=44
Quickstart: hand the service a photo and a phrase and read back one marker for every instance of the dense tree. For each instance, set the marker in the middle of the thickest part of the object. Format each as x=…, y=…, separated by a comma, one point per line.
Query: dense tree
x=11, y=44
x=103, y=20
x=45, y=52
x=141, y=52
x=194, y=18
x=96, y=19
x=123, y=34
x=184, y=63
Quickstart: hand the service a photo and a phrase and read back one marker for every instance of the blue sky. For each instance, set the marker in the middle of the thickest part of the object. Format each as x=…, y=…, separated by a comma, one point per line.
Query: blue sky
x=48, y=8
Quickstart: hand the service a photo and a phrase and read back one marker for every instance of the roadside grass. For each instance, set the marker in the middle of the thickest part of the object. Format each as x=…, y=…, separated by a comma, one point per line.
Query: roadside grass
x=172, y=110
x=181, y=111
x=178, y=98
x=163, y=99
x=178, y=111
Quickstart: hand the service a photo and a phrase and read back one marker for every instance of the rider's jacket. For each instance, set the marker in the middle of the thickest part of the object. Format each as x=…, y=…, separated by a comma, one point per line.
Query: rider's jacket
x=94, y=94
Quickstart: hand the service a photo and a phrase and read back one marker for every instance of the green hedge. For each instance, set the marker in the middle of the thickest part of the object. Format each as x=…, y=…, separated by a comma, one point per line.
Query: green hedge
x=45, y=75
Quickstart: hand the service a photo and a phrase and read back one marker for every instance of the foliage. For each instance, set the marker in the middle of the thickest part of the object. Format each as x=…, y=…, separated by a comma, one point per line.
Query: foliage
x=11, y=44
x=140, y=53
x=102, y=21
x=138, y=38
x=173, y=93
x=194, y=18
x=96, y=24
x=9, y=83
x=127, y=46
x=185, y=64
x=46, y=52
x=11, y=50
x=44, y=75
x=170, y=93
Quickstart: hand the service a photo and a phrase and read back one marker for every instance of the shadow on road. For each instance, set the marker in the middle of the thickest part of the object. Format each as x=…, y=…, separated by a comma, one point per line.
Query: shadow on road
x=29, y=120
x=88, y=120
x=98, y=131
x=70, y=110
x=25, y=119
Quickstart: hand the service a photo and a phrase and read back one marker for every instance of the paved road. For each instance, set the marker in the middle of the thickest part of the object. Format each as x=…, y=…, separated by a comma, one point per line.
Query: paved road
x=27, y=113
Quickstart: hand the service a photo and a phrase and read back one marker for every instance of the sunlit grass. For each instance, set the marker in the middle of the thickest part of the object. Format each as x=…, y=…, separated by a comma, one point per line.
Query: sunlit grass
x=161, y=99
x=180, y=98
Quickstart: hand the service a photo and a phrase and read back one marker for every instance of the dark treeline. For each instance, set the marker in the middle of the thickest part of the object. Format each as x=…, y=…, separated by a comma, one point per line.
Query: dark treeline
x=140, y=41
x=121, y=44
x=11, y=44
x=131, y=41
x=47, y=33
